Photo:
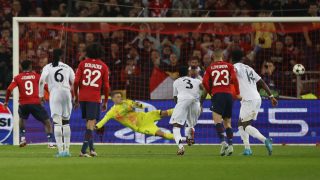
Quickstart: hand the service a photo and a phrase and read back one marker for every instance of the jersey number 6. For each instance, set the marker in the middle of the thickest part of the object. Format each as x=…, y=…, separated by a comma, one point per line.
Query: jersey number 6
x=58, y=76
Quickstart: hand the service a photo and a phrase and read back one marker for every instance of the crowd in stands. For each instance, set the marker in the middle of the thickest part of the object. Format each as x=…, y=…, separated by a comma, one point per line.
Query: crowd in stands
x=132, y=56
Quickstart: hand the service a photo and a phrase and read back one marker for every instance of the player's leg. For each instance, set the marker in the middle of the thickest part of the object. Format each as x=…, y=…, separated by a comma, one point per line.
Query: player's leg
x=254, y=132
x=66, y=136
x=23, y=114
x=90, y=112
x=178, y=120
x=227, y=122
x=22, y=130
x=192, y=118
x=147, y=125
x=178, y=138
x=165, y=135
x=57, y=121
x=166, y=113
x=245, y=115
x=85, y=144
x=218, y=108
x=41, y=115
x=67, y=109
x=245, y=139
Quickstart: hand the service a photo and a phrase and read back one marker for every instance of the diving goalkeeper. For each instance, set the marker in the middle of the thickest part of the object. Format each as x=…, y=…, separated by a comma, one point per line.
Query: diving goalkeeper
x=123, y=111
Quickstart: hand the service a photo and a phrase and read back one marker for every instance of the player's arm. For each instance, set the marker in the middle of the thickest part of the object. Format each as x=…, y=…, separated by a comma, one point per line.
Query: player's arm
x=106, y=88
x=206, y=81
x=78, y=77
x=71, y=80
x=175, y=92
x=105, y=119
x=235, y=81
x=203, y=94
x=42, y=82
x=12, y=85
x=264, y=86
x=138, y=105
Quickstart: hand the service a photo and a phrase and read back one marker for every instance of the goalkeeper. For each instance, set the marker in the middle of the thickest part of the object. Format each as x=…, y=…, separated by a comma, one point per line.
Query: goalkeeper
x=123, y=111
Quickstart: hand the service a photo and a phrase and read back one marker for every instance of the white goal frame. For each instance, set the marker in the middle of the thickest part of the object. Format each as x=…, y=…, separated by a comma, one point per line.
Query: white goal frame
x=17, y=20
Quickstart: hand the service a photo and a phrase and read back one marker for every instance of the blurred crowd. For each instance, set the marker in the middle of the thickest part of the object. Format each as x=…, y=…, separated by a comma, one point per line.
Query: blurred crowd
x=132, y=56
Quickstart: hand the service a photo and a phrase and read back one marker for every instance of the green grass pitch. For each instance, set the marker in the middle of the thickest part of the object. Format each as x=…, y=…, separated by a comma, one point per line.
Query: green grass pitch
x=160, y=162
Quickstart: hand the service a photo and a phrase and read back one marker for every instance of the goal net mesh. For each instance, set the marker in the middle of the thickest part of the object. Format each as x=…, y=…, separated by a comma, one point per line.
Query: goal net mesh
x=144, y=59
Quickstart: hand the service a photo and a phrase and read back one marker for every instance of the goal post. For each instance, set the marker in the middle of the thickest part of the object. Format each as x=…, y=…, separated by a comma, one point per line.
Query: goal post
x=18, y=20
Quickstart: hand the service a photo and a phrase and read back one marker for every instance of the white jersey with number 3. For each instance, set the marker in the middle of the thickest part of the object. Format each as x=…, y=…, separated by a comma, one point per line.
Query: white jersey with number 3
x=187, y=109
x=187, y=88
x=248, y=79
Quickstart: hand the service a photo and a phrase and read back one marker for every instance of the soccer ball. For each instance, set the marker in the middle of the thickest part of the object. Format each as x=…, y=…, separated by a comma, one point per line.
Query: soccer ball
x=298, y=69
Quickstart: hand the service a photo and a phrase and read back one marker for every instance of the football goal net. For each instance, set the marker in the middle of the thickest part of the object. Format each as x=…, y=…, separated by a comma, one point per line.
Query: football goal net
x=144, y=56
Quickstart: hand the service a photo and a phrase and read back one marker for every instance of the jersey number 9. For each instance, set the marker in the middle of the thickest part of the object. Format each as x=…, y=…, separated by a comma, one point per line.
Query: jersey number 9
x=28, y=85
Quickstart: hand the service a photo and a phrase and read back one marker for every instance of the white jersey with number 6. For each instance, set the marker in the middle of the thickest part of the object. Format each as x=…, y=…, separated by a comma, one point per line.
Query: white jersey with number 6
x=187, y=109
x=60, y=80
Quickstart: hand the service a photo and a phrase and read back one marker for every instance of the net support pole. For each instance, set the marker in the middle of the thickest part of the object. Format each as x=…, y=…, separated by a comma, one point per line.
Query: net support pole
x=15, y=72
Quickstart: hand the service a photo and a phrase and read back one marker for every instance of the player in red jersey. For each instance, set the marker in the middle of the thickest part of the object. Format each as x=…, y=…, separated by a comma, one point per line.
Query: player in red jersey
x=218, y=80
x=29, y=101
x=92, y=75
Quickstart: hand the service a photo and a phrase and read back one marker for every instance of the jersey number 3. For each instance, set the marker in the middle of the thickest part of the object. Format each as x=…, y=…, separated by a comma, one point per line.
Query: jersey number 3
x=89, y=81
x=216, y=74
x=189, y=85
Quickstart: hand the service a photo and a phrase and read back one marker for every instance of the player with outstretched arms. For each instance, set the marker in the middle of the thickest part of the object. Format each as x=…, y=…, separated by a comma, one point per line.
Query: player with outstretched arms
x=187, y=92
x=124, y=112
x=217, y=80
x=29, y=102
x=92, y=75
x=59, y=77
x=250, y=103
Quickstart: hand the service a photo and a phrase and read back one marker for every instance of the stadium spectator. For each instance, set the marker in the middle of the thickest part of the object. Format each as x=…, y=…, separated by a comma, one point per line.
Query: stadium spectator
x=262, y=46
x=263, y=32
x=112, y=9
x=167, y=48
x=279, y=57
x=172, y=69
x=5, y=58
x=131, y=69
x=271, y=76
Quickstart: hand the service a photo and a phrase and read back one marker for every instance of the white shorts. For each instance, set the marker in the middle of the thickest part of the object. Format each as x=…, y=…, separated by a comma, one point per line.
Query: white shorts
x=186, y=111
x=61, y=103
x=249, y=109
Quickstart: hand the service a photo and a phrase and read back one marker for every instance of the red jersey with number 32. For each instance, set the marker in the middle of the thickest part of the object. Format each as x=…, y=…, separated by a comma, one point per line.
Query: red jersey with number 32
x=28, y=84
x=91, y=76
x=219, y=78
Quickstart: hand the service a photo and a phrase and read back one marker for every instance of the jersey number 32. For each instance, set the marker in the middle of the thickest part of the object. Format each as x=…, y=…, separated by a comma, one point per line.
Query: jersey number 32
x=91, y=77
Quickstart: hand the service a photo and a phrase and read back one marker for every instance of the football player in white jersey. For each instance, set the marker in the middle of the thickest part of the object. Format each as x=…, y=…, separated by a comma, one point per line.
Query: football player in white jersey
x=187, y=94
x=60, y=79
x=250, y=103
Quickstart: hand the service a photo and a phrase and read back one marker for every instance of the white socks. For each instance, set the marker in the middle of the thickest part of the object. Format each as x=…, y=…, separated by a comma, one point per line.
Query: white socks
x=245, y=137
x=66, y=137
x=255, y=133
x=187, y=132
x=58, y=137
x=177, y=136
